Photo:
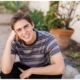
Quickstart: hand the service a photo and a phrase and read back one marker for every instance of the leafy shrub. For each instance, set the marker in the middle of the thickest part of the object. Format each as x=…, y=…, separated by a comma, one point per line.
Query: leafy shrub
x=75, y=55
x=13, y=6
x=78, y=63
x=38, y=19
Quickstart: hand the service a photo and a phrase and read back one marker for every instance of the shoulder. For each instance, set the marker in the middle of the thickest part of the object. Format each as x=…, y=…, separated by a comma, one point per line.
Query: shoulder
x=44, y=34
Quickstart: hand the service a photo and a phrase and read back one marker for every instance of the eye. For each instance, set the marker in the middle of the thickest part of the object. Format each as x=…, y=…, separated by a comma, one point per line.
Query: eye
x=18, y=30
x=26, y=26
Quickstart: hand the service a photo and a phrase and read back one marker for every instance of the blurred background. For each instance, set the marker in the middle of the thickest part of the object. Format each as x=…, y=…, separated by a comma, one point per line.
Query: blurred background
x=45, y=15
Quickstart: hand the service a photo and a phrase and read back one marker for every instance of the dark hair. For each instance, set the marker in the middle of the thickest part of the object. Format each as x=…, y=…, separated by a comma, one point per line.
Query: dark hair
x=19, y=16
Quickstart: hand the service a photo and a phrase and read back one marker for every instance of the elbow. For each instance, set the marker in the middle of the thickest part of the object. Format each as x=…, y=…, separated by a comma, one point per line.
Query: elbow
x=62, y=70
x=5, y=69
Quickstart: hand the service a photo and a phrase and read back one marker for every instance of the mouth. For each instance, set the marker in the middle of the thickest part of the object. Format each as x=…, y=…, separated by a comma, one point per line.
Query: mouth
x=26, y=36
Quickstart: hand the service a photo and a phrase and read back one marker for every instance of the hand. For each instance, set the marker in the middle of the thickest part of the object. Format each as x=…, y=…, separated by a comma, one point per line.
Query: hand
x=25, y=73
x=12, y=36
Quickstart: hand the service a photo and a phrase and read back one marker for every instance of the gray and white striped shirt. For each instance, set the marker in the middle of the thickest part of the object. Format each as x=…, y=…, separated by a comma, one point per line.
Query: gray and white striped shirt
x=36, y=54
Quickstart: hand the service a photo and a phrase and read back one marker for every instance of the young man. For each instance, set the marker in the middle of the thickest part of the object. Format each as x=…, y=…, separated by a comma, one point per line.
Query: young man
x=35, y=50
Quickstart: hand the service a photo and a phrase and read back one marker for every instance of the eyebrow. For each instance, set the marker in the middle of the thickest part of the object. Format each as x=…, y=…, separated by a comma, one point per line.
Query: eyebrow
x=23, y=26
x=26, y=25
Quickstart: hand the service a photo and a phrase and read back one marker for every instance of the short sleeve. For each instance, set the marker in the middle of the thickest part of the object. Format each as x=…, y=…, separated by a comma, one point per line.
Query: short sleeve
x=13, y=48
x=51, y=46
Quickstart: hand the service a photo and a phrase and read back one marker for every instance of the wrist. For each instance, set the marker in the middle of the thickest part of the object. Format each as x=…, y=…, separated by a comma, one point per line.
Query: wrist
x=32, y=70
x=9, y=42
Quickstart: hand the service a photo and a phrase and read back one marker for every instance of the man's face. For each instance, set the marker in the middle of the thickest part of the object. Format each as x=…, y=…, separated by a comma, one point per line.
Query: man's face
x=24, y=30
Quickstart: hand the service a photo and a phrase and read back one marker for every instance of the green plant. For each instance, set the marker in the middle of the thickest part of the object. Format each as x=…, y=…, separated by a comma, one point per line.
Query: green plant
x=75, y=55
x=38, y=19
x=50, y=19
x=78, y=63
x=13, y=6
x=61, y=19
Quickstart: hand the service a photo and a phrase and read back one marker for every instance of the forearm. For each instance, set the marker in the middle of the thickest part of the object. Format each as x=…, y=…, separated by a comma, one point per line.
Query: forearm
x=6, y=58
x=49, y=70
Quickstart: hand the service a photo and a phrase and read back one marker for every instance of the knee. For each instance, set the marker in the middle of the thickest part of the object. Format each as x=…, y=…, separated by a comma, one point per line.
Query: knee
x=4, y=76
x=5, y=71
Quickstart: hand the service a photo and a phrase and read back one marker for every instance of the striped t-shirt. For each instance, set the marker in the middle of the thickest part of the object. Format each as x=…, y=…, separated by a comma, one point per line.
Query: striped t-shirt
x=37, y=54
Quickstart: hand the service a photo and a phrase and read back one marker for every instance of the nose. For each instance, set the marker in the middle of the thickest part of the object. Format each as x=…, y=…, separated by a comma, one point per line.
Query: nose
x=23, y=31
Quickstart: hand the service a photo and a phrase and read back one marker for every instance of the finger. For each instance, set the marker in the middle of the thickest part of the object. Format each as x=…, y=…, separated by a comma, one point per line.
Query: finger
x=21, y=69
x=22, y=76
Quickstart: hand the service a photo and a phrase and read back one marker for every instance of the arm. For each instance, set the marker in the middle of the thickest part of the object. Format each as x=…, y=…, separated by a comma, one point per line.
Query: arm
x=54, y=69
x=7, y=58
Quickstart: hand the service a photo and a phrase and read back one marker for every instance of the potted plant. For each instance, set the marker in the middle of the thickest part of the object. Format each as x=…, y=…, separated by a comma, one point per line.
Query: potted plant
x=59, y=23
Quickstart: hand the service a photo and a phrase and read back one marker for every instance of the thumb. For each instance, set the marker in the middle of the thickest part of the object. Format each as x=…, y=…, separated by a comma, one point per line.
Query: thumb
x=21, y=69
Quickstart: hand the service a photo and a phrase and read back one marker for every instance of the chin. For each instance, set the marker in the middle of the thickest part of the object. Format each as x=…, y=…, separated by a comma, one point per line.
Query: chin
x=28, y=40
